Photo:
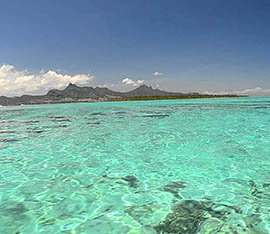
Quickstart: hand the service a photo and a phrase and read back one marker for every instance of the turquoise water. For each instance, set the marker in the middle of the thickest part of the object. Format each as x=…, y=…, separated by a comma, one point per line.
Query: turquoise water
x=122, y=167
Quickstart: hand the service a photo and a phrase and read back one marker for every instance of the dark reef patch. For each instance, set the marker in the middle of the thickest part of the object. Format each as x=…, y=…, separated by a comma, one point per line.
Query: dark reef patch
x=155, y=116
x=13, y=209
x=7, y=140
x=61, y=126
x=132, y=181
x=121, y=112
x=254, y=189
x=189, y=216
x=57, y=117
x=266, y=185
x=173, y=188
x=8, y=132
x=94, y=123
x=98, y=113
x=61, y=120
x=261, y=107
x=177, y=184
x=31, y=122
x=56, y=126
x=36, y=131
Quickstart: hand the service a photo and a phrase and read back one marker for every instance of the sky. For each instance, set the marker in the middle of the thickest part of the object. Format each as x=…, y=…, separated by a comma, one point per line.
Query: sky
x=209, y=46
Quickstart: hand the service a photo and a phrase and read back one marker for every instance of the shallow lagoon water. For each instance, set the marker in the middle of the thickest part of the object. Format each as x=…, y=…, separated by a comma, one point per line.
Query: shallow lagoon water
x=122, y=167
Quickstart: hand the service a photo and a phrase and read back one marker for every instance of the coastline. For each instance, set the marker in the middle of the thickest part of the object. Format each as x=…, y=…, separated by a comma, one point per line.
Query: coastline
x=148, y=98
x=122, y=99
x=73, y=94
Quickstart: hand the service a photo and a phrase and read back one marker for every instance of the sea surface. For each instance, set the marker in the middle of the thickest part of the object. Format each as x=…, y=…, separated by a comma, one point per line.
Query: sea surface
x=170, y=166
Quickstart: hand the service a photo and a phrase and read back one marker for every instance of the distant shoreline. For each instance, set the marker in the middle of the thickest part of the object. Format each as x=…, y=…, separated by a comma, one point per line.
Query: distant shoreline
x=75, y=94
x=145, y=98
x=139, y=98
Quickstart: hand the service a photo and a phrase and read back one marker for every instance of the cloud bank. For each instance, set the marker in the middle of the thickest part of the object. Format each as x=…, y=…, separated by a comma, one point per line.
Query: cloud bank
x=157, y=73
x=253, y=92
x=14, y=82
x=129, y=81
x=258, y=91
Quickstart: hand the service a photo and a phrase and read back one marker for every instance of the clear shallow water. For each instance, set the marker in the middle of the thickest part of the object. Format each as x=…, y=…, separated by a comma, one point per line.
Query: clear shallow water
x=121, y=167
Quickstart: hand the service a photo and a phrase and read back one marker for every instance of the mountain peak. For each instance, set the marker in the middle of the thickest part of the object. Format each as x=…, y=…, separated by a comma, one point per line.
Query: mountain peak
x=71, y=85
x=145, y=87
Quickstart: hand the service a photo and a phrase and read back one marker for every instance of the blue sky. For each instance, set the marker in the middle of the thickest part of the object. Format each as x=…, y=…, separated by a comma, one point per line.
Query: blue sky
x=209, y=45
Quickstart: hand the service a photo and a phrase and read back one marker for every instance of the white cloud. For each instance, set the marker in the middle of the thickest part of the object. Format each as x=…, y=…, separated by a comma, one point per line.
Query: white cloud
x=157, y=73
x=17, y=82
x=258, y=91
x=129, y=81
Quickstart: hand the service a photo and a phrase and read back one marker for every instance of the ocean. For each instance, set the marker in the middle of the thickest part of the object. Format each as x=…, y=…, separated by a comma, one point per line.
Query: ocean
x=170, y=166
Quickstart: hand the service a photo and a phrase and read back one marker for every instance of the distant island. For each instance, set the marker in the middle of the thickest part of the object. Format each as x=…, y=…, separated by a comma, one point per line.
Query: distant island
x=74, y=93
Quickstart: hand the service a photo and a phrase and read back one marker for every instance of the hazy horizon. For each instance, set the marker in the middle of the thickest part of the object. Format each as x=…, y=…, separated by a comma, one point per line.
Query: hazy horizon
x=215, y=47
x=256, y=92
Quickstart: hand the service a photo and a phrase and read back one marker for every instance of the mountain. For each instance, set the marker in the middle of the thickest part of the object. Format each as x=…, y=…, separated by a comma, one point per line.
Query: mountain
x=144, y=90
x=74, y=93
